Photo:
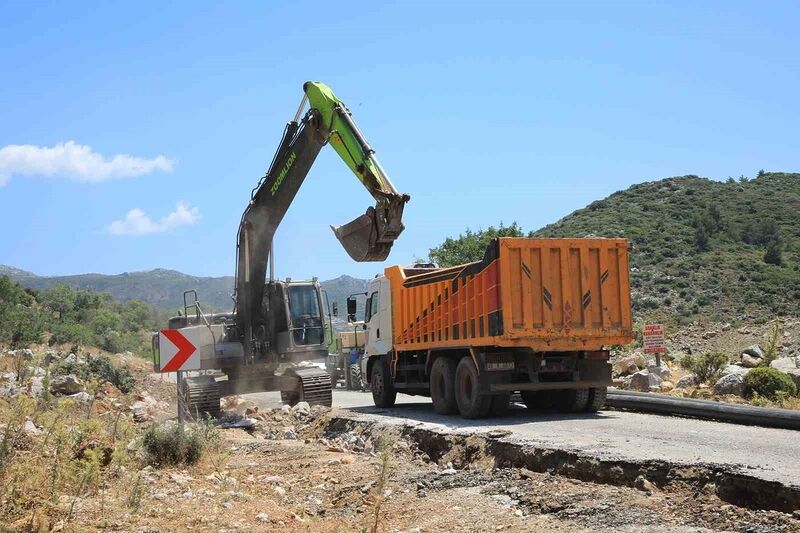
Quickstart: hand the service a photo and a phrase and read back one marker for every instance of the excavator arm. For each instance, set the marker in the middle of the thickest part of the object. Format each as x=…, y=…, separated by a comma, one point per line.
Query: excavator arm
x=367, y=238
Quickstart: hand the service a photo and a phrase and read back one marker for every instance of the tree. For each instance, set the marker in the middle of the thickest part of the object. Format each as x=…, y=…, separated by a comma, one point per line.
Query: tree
x=470, y=246
x=701, y=238
x=774, y=253
x=59, y=299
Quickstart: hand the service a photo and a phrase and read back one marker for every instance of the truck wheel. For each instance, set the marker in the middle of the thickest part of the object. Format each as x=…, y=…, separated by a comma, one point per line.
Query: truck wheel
x=383, y=391
x=571, y=400
x=500, y=403
x=355, y=377
x=597, y=399
x=443, y=385
x=470, y=403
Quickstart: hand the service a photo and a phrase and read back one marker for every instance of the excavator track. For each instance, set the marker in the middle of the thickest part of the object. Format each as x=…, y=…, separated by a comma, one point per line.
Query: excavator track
x=315, y=387
x=201, y=397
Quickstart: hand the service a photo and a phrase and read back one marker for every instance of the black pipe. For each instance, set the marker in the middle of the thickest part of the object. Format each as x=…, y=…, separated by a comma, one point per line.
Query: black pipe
x=706, y=409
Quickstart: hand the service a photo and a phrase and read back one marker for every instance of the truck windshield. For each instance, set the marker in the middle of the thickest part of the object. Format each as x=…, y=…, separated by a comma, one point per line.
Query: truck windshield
x=306, y=318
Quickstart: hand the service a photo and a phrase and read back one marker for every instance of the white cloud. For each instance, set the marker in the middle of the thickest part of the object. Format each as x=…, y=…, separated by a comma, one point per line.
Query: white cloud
x=137, y=222
x=74, y=161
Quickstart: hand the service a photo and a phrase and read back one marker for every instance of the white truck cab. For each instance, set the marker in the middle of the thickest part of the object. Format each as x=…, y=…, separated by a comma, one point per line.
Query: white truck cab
x=378, y=317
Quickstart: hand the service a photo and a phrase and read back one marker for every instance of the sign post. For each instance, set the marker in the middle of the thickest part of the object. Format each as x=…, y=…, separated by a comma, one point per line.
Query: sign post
x=654, y=342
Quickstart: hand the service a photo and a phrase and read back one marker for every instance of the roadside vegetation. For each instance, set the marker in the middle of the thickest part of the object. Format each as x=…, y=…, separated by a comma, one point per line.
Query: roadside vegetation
x=80, y=318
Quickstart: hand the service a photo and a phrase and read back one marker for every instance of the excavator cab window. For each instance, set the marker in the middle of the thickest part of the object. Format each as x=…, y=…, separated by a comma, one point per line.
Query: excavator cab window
x=307, y=326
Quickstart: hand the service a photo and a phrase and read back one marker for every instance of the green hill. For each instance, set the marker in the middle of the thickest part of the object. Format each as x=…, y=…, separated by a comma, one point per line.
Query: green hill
x=164, y=288
x=703, y=248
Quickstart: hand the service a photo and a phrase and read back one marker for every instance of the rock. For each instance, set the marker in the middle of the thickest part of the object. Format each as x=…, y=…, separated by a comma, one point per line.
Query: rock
x=289, y=434
x=71, y=358
x=643, y=484
x=784, y=364
x=246, y=407
x=754, y=350
x=140, y=412
x=643, y=380
x=731, y=384
x=734, y=369
x=36, y=386
x=666, y=386
x=82, y=397
x=794, y=373
x=624, y=366
x=301, y=409
x=30, y=428
x=280, y=491
x=661, y=371
x=689, y=380
x=66, y=385
x=749, y=361
x=262, y=517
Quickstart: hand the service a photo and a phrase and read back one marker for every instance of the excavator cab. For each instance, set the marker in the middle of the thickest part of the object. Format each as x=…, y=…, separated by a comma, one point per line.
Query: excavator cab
x=295, y=314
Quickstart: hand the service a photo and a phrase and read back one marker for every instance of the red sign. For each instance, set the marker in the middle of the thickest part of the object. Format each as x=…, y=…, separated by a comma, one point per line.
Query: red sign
x=177, y=351
x=653, y=336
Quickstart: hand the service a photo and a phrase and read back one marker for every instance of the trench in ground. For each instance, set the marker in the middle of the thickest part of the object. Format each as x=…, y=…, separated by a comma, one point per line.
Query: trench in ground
x=729, y=485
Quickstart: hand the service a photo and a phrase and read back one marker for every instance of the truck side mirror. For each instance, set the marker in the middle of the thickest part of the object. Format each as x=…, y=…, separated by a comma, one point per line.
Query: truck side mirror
x=351, y=309
x=335, y=308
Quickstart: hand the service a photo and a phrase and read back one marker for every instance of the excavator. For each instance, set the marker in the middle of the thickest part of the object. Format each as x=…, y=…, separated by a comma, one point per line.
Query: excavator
x=276, y=324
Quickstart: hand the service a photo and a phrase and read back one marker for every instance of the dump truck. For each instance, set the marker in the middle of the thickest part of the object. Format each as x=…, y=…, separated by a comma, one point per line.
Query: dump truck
x=534, y=317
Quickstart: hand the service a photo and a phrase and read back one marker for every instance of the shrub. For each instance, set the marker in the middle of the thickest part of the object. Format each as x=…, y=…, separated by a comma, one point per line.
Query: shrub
x=172, y=445
x=770, y=383
x=100, y=367
x=707, y=366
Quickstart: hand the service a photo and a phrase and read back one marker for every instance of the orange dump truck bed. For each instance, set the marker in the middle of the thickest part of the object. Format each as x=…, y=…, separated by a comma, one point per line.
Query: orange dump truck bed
x=546, y=294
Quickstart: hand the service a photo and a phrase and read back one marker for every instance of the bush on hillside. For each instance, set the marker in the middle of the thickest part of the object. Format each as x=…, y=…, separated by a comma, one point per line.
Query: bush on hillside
x=102, y=369
x=707, y=366
x=770, y=383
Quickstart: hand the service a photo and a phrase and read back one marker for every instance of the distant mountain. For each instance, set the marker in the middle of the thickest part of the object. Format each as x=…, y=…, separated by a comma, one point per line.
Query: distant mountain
x=164, y=288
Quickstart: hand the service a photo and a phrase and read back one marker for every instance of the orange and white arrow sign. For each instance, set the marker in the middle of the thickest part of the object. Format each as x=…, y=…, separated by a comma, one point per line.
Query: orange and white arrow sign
x=176, y=351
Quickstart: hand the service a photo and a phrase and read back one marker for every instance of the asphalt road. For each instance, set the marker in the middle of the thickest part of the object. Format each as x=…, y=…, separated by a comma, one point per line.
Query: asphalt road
x=770, y=454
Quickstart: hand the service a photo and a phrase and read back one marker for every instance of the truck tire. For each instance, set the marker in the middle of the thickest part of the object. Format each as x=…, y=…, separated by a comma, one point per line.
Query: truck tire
x=500, y=404
x=571, y=400
x=597, y=399
x=355, y=376
x=470, y=403
x=383, y=391
x=443, y=386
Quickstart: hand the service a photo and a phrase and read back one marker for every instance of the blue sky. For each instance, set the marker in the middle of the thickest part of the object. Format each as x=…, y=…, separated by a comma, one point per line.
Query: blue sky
x=482, y=112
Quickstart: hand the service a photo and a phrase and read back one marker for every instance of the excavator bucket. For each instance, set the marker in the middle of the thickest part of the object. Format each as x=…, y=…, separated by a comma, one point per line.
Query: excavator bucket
x=359, y=238
x=370, y=236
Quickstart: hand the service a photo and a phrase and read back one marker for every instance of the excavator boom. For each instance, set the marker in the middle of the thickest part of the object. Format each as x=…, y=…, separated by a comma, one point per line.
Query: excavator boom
x=367, y=238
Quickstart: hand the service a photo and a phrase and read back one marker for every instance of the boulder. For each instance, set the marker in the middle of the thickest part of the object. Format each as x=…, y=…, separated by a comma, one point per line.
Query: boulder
x=83, y=397
x=301, y=409
x=666, y=386
x=689, y=380
x=794, y=373
x=662, y=371
x=750, y=361
x=66, y=385
x=624, y=366
x=30, y=428
x=643, y=380
x=754, y=350
x=140, y=412
x=734, y=369
x=731, y=384
x=784, y=364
